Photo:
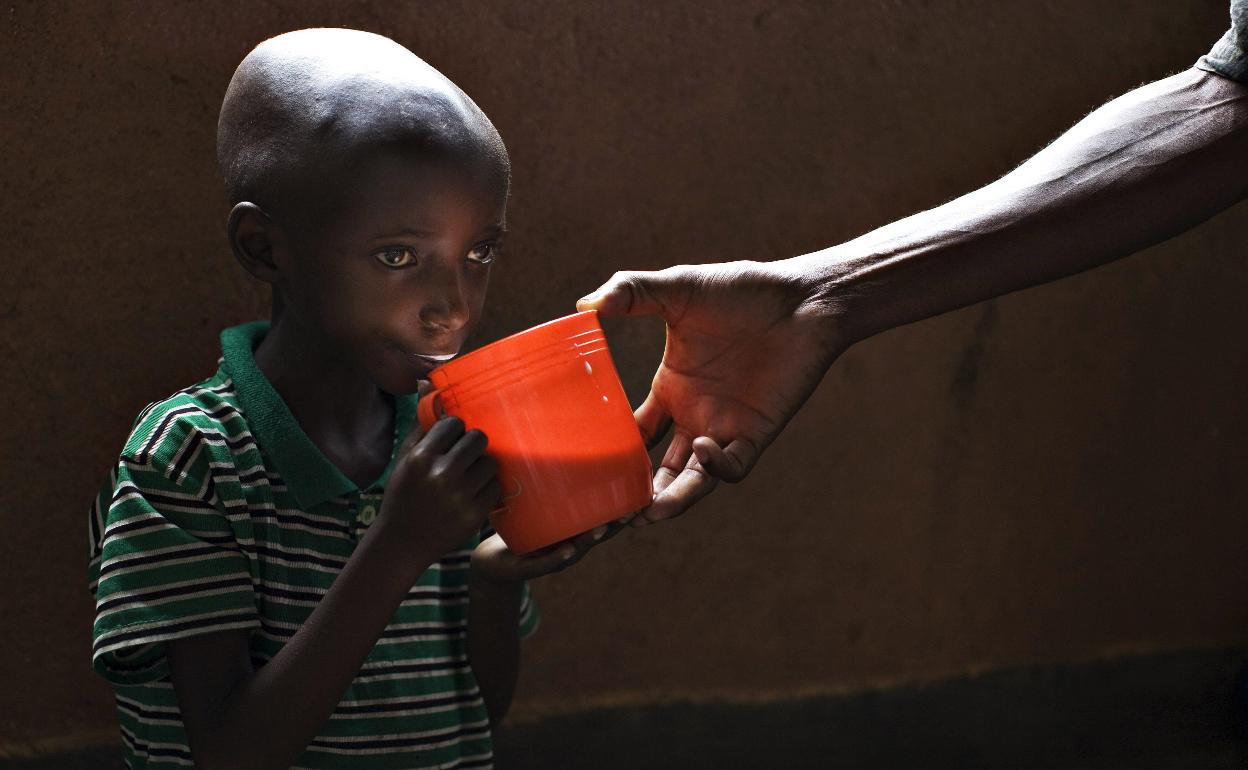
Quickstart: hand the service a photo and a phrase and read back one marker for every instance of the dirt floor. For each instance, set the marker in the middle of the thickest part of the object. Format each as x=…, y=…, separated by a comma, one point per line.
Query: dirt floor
x=1173, y=712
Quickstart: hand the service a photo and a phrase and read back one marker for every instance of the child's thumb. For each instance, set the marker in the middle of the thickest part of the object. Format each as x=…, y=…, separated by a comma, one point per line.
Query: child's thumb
x=416, y=431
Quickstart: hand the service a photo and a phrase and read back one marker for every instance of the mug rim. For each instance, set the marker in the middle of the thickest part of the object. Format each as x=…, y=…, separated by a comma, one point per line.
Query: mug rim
x=445, y=369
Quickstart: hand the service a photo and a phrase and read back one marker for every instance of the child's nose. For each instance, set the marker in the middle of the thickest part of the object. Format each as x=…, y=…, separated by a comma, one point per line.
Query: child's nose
x=446, y=309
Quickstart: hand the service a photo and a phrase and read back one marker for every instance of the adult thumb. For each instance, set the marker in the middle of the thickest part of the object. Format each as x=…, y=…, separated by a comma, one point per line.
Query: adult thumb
x=629, y=292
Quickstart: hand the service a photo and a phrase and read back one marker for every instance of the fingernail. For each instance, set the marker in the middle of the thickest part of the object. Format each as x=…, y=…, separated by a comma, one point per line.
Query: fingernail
x=623, y=519
x=568, y=553
x=599, y=532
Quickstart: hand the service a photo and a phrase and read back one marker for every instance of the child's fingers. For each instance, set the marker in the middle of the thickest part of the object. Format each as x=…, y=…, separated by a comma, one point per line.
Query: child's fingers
x=441, y=437
x=416, y=431
x=732, y=463
x=466, y=450
x=490, y=495
x=480, y=473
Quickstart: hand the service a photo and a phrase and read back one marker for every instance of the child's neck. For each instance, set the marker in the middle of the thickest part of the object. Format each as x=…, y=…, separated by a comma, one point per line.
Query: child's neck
x=344, y=414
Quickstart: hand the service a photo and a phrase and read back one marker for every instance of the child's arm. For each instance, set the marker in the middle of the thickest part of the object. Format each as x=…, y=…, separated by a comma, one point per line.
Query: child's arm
x=440, y=492
x=495, y=585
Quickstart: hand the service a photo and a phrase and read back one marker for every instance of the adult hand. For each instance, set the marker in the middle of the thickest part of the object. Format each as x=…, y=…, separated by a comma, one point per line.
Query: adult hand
x=492, y=560
x=747, y=343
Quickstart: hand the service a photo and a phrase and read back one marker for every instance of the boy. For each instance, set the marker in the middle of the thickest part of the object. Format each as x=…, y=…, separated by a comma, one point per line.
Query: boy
x=286, y=572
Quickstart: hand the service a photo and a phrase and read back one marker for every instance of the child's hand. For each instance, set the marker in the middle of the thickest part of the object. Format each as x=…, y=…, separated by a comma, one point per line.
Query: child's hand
x=492, y=560
x=441, y=489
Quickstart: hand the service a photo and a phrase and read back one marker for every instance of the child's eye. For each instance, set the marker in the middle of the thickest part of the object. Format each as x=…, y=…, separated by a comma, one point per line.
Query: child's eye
x=483, y=254
x=396, y=256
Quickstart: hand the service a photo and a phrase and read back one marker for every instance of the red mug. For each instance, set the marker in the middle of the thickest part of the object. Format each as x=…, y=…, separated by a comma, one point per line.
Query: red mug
x=570, y=455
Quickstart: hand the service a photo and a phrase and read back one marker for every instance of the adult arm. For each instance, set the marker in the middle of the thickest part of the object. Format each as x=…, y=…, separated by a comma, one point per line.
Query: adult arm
x=747, y=342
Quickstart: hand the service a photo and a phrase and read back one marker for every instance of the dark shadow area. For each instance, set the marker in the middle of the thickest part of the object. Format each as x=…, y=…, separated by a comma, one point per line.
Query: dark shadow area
x=1180, y=711
x=1174, y=711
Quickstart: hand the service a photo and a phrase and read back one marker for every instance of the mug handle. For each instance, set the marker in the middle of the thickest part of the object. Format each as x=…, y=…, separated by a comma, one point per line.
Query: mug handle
x=429, y=409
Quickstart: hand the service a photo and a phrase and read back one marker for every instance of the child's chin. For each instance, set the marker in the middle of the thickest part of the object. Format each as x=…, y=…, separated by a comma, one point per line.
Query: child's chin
x=399, y=383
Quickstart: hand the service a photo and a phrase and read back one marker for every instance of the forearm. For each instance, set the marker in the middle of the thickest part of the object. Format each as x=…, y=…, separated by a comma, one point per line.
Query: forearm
x=1138, y=170
x=494, y=641
x=268, y=718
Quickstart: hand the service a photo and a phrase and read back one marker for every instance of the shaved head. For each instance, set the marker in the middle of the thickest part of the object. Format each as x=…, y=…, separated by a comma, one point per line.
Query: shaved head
x=301, y=106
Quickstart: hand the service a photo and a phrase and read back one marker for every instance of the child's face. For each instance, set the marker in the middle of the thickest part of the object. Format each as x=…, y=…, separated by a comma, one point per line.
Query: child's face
x=398, y=268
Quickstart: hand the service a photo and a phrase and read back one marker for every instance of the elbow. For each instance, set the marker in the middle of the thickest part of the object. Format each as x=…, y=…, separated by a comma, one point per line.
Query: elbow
x=496, y=708
x=215, y=760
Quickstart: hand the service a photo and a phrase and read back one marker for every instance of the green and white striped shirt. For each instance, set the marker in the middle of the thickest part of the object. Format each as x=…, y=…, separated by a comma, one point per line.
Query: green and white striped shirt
x=222, y=514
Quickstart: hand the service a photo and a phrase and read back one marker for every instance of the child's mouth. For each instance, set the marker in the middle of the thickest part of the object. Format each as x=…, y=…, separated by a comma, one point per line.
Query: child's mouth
x=433, y=360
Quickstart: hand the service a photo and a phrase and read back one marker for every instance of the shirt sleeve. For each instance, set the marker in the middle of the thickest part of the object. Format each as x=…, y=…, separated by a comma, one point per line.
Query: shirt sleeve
x=165, y=564
x=1228, y=56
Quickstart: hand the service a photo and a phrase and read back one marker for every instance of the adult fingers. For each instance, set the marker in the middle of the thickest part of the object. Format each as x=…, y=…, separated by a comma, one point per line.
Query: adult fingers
x=582, y=543
x=679, y=451
x=605, y=532
x=732, y=463
x=628, y=292
x=653, y=420
x=596, y=536
x=546, y=561
x=511, y=566
x=688, y=487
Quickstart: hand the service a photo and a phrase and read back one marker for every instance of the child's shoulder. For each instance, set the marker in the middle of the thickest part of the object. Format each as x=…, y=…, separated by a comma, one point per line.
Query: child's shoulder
x=170, y=432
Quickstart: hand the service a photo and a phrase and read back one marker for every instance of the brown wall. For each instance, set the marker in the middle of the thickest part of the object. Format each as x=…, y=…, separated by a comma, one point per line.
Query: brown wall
x=1052, y=476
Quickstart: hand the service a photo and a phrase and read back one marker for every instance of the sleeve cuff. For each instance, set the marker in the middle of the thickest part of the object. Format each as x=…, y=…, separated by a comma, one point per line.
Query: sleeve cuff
x=530, y=618
x=1226, y=58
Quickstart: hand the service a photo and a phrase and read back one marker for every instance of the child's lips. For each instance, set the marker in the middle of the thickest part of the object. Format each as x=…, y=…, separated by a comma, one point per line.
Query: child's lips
x=439, y=358
x=432, y=360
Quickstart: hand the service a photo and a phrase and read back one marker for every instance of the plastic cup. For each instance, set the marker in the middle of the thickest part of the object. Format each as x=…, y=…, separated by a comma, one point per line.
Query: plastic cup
x=569, y=452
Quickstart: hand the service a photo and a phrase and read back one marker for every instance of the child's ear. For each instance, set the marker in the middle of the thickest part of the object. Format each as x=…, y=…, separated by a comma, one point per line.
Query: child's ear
x=252, y=235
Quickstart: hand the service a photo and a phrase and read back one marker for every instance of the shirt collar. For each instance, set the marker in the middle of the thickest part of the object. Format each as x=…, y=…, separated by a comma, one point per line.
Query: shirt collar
x=309, y=474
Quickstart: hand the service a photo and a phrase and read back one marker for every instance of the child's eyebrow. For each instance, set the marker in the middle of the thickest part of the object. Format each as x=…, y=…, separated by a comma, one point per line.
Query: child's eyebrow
x=412, y=231
x=493, y=231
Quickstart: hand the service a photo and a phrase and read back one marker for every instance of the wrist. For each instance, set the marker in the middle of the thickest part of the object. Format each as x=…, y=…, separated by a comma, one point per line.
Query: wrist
x=382, y=542
x=822, y=293
x=484, y=586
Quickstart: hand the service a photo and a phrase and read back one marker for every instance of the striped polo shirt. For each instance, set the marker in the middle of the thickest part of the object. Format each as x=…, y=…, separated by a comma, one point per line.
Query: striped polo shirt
x=222, y=514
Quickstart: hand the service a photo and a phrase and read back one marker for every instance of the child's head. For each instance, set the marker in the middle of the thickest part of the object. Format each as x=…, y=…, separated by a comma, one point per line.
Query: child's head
x=369, y=191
